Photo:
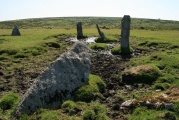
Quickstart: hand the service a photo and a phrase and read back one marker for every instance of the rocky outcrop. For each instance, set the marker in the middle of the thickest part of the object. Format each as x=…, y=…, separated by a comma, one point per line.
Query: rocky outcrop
x=15, y=31
x=58, y=82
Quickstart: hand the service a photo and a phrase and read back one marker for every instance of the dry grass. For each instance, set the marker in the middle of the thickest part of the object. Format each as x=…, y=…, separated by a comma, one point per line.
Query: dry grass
x=138, y=69
x=168, y=96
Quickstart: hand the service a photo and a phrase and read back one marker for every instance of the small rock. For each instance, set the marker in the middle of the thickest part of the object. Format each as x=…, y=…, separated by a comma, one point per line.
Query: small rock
x=128, y=103
x=165, y=95
x=158, y=90
x=168, y=106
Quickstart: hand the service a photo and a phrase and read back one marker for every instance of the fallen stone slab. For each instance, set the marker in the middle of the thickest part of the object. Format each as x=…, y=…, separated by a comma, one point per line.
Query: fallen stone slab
x=58, y=82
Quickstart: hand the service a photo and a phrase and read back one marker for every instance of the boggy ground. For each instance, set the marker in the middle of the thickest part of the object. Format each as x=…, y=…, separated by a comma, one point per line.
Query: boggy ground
x=110, y=68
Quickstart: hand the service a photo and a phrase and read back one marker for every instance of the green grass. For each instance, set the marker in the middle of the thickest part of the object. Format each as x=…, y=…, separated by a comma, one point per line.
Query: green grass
x=108, y=39
x=42, y=42
x=69, y=107
x=161, y=86
x=7, y=105
x=8, y=101
x=71, y=111
x=116, y=50
x=141, y=74
x=106, y=23
x=96, y=111
x=98, y=46
x=142, y=113
x=87, y=92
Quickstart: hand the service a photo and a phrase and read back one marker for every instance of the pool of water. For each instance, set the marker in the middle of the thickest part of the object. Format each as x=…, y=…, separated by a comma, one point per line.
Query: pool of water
x=87, y=40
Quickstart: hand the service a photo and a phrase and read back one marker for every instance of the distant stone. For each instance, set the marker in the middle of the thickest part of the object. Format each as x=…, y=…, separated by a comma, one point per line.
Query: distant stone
x=125, y=33
x=58, y=82
x=15, y=31
x=80, y=31
x=100, y=33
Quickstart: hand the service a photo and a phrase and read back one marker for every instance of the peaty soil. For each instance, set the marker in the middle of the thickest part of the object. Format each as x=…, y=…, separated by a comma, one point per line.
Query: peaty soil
x=110, y=67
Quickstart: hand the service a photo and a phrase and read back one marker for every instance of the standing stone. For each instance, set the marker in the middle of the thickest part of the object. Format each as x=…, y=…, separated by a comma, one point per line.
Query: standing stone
x=125, y=33
x=79, y=31
x=100, y=33
x=15, y=31
x=58, y=82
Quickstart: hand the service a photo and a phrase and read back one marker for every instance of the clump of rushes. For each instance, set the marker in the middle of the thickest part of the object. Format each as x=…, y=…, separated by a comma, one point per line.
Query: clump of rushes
x=87, y=92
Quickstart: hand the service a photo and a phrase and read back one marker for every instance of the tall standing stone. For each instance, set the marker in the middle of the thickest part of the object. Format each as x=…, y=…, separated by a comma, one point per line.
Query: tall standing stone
x=125, y=33
x=100, y=33
x=15, y=31
x=79, y=31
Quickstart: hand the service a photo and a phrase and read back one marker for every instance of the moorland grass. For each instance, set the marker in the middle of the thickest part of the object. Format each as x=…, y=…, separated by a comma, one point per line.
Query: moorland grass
x=98, y=46
x=87, y=92
x=41, y=42
x=89, y=22
x=7, y=105
x=141, y=113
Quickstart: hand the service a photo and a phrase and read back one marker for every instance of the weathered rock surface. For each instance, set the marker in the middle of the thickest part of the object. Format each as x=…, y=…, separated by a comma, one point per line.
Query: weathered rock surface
x=79, y=31
x=127, y=104
x=15, y=31
x=58, y=82
x=125, y=33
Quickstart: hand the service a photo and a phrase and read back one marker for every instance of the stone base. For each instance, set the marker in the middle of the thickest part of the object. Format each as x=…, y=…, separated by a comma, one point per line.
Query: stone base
x=81, y=37
x=126, y=51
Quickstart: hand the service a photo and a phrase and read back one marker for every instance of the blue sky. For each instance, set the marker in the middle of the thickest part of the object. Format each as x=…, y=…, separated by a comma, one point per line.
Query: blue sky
x=22, y=9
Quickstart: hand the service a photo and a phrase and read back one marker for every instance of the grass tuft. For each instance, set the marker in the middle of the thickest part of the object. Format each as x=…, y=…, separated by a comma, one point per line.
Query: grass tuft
x=141, y=74
x=8, y=101
x=87, y=92
x=98, y=46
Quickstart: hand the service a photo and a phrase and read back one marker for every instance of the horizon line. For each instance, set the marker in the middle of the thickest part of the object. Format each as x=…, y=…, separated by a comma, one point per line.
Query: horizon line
x=84, y=16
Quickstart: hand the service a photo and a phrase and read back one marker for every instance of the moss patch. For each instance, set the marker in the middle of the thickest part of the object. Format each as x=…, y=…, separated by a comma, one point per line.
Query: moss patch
x=106, y=40
x=141, y=74
x=98, y=46
x=8, y=101
x=87, y=92
x=121, y=51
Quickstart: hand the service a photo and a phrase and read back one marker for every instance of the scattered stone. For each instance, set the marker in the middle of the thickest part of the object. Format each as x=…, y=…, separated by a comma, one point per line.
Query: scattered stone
x=15, y=31
x=125, y=33
x=79, y=31
x=58, y=82
x=158, y=104
x=128, y=103
x=168, y=106
x=158, y=90
x=100, y=33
